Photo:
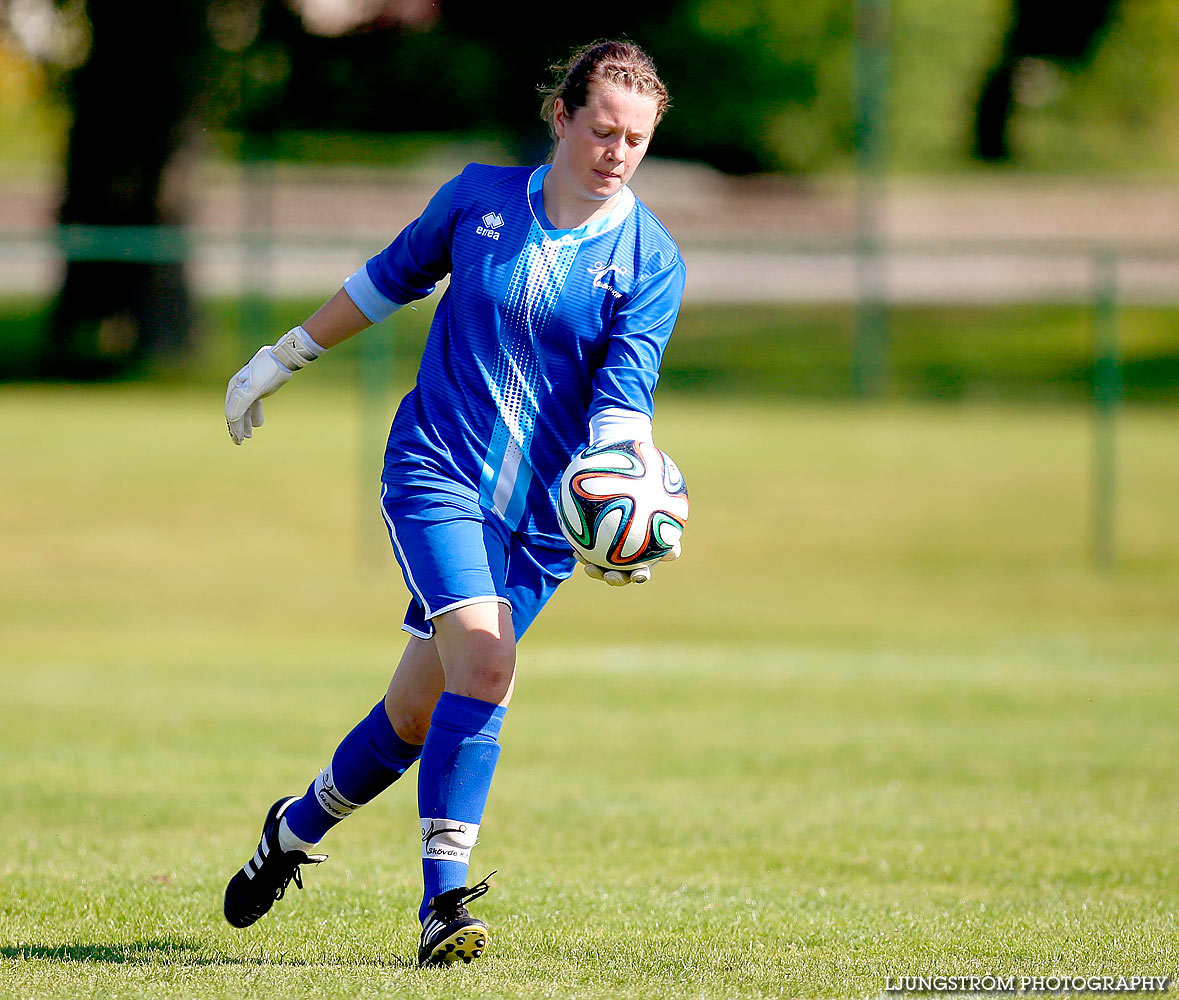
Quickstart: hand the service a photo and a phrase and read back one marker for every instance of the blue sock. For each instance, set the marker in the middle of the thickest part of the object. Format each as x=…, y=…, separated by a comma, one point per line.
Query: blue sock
x=454, y=778
x=367, y=761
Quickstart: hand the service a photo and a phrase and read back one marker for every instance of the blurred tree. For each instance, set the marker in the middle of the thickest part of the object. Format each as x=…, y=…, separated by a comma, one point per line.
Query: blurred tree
x=470, y=69
x=1037, y=30
x=747, y=79
x=133, y=103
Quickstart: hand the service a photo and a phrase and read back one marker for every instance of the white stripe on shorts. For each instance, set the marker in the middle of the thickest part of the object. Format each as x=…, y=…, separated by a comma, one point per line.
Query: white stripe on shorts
x=404, y=562
x=487, y=599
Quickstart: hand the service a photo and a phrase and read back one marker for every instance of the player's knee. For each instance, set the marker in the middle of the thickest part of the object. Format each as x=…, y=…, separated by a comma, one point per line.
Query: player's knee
x=485, y=671
x=410, y=723
x=485, y=681
x=478, y=651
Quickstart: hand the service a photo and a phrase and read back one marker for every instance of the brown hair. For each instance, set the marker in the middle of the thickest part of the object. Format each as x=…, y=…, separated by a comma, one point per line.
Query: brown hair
x=613, y=64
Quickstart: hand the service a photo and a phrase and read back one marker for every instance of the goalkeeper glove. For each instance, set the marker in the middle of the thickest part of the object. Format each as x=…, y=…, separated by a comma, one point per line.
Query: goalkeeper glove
x=265, y=373
x=621, y=577
x=615, y=423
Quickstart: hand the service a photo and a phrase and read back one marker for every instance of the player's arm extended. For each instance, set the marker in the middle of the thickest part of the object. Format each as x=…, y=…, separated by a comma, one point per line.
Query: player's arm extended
x=406, y=270
x=625, y=384
x=272, y=366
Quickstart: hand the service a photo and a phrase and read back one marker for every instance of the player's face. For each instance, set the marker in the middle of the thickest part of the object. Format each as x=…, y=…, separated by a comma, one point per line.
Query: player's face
x=600, y=145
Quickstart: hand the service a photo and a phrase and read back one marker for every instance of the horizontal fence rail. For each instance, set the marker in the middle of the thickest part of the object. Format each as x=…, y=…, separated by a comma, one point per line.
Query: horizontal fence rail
x=765, y=270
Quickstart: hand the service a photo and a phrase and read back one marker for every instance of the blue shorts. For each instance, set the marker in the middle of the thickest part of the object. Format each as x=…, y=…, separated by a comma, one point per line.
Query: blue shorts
x=453, y=552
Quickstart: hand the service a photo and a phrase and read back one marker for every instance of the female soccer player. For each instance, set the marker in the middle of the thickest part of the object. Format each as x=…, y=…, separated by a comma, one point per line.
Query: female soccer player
x=564, y=290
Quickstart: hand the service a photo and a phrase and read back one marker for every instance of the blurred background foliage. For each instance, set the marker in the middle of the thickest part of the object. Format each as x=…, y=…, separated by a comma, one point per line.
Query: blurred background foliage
x=758, y=84
x=117, y=102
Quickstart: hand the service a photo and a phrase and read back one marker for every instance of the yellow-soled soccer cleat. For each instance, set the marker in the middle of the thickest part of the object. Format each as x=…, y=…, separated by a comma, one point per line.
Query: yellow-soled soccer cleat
x=449, y=933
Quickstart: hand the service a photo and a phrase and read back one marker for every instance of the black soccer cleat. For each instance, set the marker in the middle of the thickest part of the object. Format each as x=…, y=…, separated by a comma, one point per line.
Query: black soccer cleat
x=263, y=879
x=449, y=933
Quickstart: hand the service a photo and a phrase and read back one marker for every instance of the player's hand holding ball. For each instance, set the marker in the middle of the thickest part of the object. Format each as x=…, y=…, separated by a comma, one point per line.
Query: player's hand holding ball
x=623, y=507
x=621, y=577
x=265, y=373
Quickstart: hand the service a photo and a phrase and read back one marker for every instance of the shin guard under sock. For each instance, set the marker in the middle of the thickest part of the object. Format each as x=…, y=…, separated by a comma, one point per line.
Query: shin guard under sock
x=458, y=761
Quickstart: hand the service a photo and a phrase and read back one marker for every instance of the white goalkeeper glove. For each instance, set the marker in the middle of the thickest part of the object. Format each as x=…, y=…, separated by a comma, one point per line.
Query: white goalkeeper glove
x=265, y=373
x=621, y=577
x=617, y=424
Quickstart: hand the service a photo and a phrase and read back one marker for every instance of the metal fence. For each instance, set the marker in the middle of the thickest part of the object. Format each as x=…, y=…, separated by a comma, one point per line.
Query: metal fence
x=258, y=265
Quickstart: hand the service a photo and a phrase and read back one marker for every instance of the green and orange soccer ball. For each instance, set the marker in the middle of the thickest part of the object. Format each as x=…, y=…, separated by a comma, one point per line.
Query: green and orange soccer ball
x=623, y=504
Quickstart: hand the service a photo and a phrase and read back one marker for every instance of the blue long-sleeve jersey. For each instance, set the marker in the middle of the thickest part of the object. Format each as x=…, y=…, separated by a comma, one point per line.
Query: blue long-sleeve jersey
x=538, y=330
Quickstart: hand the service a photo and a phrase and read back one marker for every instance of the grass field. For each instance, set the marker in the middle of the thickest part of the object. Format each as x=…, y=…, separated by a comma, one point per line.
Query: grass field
x=883, y=718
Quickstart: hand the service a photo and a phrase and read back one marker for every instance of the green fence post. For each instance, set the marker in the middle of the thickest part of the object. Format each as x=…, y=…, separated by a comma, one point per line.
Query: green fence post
x=869, y=350
x=1107, y=393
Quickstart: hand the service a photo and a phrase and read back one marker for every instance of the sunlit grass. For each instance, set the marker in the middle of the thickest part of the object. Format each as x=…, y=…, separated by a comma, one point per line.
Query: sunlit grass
x=884, y=718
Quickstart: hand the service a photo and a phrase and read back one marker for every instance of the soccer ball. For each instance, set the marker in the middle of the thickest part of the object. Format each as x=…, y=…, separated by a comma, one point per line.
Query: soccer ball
x=623, y=504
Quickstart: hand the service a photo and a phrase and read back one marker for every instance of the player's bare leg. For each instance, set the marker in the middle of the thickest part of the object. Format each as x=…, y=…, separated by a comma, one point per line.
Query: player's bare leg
x=477, y=648
x=414, y=690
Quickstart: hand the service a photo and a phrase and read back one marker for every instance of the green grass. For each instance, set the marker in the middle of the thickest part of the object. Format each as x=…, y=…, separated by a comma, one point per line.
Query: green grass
x=882, y=719
x=1019, y=352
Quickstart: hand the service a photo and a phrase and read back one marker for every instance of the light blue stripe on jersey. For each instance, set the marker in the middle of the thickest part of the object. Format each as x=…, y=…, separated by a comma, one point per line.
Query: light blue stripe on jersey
x=514, y=381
